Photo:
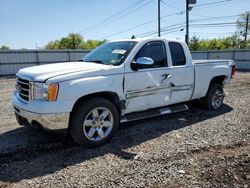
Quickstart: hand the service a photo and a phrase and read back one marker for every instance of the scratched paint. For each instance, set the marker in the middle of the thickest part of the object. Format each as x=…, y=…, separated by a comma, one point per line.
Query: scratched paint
x=153, y=90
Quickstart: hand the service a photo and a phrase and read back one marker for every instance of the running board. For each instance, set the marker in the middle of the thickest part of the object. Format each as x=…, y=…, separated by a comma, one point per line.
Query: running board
x=154, y=112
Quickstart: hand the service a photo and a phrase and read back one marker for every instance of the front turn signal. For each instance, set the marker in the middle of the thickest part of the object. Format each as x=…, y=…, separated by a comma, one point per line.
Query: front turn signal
x=52, y=92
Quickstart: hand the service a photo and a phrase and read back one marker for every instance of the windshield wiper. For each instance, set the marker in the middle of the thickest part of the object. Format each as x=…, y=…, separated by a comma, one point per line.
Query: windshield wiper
x=95, y=61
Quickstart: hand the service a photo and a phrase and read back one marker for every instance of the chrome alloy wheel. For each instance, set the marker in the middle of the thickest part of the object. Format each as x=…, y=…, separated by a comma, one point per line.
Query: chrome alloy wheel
x=98, y=124
x=217, y=99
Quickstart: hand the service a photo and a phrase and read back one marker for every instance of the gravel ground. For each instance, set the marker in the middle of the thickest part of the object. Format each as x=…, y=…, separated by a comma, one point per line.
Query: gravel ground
x=197, y=148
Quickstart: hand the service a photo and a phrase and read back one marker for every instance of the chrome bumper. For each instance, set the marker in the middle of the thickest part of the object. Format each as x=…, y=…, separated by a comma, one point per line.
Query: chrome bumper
x=46, y=121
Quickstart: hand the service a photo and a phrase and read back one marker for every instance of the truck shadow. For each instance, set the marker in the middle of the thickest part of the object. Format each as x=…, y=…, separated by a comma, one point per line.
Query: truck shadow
x=43, y=153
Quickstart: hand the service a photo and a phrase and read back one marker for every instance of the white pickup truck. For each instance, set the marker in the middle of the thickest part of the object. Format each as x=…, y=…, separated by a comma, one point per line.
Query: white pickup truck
x=119, y=81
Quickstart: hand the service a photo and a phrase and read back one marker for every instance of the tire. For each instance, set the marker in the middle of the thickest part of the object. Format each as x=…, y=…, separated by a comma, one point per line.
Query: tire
x=214, y=98
x=93, y=122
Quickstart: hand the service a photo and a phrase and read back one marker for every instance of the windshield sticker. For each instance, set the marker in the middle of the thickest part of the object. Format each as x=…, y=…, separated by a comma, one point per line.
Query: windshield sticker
x=117, y=51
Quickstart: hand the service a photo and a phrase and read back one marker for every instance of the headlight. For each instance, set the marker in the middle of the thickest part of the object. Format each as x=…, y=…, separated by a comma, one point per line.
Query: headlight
x=43, y=91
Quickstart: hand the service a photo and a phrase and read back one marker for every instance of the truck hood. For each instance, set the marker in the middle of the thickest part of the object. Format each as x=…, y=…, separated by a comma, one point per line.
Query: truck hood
x=63, y=70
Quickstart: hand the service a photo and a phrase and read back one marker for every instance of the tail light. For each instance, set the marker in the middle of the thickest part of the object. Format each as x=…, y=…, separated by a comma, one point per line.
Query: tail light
x=233, y=71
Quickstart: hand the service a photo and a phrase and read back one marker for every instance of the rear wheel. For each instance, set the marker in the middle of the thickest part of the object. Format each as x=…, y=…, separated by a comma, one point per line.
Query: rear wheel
x=214, y=98
x=94, y=122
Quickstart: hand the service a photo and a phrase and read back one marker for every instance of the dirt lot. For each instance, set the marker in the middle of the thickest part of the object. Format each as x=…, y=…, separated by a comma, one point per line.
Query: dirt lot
x=197, y=148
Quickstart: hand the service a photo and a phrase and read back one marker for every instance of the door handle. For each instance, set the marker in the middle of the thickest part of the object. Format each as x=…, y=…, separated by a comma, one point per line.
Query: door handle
x=166, y=77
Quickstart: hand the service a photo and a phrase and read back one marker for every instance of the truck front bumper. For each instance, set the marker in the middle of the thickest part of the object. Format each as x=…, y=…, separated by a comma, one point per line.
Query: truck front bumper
x=46, y=121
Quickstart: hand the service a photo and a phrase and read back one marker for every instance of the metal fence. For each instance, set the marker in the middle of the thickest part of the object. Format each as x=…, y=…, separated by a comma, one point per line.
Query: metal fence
x=241, y=57
x=13, y=60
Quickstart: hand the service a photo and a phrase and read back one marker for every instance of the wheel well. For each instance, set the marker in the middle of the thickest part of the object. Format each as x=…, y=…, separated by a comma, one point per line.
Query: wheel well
x=218, y=80
x=110, y=96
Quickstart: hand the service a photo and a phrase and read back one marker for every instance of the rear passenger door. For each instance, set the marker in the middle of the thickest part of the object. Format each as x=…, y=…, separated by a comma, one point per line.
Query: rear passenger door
x=182, y=73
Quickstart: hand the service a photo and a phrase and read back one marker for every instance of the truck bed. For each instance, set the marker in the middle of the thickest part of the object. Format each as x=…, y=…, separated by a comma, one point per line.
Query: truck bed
x=205, y=70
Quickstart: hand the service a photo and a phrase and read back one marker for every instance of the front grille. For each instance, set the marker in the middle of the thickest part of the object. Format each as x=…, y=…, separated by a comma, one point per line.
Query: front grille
x=23, y=88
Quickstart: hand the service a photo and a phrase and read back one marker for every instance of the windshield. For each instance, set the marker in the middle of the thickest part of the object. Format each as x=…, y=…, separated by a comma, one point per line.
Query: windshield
x=112, y=53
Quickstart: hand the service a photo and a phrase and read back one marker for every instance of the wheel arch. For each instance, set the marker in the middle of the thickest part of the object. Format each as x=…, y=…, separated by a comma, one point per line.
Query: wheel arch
x=218, y=80
x=110, y=96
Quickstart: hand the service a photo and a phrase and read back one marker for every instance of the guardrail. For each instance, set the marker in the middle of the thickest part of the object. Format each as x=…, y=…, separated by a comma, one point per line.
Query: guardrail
x=13, y=60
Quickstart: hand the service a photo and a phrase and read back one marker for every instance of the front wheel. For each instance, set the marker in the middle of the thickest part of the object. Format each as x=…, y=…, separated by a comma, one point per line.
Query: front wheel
x=94, y=122
x=214, y=98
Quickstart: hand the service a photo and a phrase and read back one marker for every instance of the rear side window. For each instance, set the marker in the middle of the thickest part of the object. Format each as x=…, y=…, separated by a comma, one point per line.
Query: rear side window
x=155, y=51
x=177, y=54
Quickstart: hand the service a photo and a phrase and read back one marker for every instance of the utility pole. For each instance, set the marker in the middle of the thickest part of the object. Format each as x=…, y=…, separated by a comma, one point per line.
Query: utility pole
x=159, y=18
x=188, y=2
x=187, y=22
x=74, y=45
x=246, y=28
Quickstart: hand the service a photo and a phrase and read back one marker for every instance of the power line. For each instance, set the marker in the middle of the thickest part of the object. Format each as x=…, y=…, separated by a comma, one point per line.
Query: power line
x=176, y=13
x=214, y=25
x=174, y=7
x=113, y=15
x=139, y=25
x=169, y=28
x=212, y=18
x=198, y=33
x=126, y=13
x=179, y=26
x=152, y=20
x=187, y=9
x=131, y=28
x=114, y=18
x=212, y=3
x=211, y=33
x=201, y=34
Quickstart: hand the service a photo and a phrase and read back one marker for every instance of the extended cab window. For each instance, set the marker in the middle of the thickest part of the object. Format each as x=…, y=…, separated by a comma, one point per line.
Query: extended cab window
x=155, y=51
x=177, y=54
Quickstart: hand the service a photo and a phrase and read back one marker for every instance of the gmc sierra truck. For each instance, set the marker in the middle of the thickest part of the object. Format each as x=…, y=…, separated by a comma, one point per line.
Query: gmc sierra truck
x=120, y=81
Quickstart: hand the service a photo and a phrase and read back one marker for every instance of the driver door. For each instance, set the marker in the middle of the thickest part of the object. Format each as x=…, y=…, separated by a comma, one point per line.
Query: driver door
x=148, y=87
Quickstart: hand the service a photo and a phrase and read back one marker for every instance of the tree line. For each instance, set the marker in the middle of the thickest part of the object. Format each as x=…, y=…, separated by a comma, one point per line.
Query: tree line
x=231, y=42
x=235, y=41
x=74, y=41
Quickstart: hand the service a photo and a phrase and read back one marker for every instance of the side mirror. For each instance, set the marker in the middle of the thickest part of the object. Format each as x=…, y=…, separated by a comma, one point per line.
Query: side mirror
x=141, y=63
x=145, y=61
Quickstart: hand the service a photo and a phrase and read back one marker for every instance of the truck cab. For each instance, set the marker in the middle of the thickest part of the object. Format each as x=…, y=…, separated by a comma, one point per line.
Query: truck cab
x=120, y=81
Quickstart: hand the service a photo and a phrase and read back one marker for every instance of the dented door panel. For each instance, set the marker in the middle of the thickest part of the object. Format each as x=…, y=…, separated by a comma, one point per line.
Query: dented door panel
x=183, y=81
x=146, y=89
